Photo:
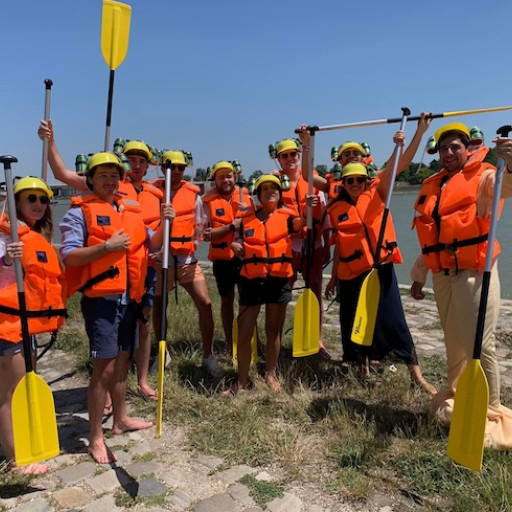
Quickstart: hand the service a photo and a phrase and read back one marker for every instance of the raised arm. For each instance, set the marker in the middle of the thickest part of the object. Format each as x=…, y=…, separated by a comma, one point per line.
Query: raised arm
x=59, y=169
x=318, y=181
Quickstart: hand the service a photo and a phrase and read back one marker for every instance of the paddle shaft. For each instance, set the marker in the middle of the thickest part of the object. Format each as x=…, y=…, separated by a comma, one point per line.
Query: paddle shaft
x=109, y=108
x=385, y=215
x=486, y=279
x=399, y=119
x=11, y=205
x=165, y=258
x=309, y=209
x=47, y=98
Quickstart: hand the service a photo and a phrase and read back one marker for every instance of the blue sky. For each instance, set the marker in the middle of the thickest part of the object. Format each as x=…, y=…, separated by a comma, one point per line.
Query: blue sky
x=224, y=79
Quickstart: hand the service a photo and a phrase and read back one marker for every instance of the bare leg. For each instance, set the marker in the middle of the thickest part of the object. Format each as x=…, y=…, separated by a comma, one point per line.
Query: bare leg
x=246, y=321
x=142, y=354
x=102, y=372
x=122, y=422
x=274, y=320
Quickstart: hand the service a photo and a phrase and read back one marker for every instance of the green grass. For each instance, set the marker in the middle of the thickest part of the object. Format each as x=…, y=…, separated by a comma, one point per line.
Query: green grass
x=352, y=438
x=262, y=492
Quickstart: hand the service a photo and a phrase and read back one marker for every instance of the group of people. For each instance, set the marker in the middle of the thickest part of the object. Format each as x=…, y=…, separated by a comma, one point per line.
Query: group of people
x=111, y=253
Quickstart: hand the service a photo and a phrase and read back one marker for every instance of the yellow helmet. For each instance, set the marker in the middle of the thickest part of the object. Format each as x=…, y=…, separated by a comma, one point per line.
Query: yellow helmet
x=288, y=145
x=350, y=145
x=223, y=164
x=31, y=182
x=175, y=157
x=270, y=178
x=451, y=127
x=104, y=158
x=138, y=145
x=354, y=169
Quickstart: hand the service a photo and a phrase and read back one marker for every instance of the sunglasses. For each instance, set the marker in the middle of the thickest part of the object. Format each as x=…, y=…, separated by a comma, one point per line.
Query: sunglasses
x=32, y=198
x=293, y=154
x=349, y=152
x=177, y=168
x=359, y=180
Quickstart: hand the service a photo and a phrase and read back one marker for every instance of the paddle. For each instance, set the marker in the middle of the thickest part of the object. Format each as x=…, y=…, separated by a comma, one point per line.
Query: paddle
x=467, y=428
x=48, y=93
x=33, y=411
x=306, y=320
x=412, y=118
x=115, y=31
x=369, y=296
x=162, y=344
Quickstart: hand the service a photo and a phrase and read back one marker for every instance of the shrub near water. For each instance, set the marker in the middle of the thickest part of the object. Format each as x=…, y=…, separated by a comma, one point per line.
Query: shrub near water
x=349, y=439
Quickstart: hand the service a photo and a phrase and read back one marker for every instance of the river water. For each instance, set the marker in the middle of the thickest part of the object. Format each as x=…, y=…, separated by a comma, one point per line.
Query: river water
x=402, y=210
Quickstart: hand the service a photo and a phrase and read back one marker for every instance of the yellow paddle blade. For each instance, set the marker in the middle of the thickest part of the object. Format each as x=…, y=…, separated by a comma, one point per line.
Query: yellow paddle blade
x=34, y=424
x=306, y=325
x=115, y=31
x=254, y=345
x=477, y=111
x=366, y=311
x=467, y=428
x=162, y=345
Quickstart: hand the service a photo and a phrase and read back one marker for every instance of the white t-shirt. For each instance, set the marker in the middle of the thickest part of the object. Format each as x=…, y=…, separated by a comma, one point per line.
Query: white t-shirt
x=7, y=274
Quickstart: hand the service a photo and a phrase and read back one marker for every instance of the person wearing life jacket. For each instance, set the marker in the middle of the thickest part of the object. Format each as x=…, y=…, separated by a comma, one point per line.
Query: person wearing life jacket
x=44, y=294
x=222, y=205
x=356, y=217
x=134, y=187
x=104, y=248
x=452, y=223
x=288, y=156
x=264, y=245
x=186, y=232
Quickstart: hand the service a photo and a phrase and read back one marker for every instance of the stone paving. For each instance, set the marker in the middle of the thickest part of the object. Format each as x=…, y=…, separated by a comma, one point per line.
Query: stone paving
x=161, y=470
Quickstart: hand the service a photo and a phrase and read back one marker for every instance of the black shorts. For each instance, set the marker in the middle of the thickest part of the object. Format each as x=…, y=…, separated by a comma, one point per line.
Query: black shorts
x=227, y=275
x=268, y=290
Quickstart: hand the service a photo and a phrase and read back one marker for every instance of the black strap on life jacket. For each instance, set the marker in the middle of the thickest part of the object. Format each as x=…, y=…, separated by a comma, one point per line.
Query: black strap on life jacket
x=106, y=274
x=42, y=313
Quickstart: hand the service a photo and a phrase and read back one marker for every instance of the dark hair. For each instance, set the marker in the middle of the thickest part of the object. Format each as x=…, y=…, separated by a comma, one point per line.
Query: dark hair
x=460, y=135
x=258, y=194
x=44, y=226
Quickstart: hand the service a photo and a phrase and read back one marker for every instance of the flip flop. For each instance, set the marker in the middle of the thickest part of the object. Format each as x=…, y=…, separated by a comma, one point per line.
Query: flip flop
x=107, y=410
x=153, y=397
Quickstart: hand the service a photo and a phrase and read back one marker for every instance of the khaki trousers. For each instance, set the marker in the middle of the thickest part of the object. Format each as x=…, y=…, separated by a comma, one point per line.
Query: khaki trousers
x=458, y=300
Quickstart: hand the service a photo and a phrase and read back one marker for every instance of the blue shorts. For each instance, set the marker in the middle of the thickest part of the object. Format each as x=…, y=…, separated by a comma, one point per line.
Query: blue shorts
x=148, y=300
x=110, y=325
x=8, y=348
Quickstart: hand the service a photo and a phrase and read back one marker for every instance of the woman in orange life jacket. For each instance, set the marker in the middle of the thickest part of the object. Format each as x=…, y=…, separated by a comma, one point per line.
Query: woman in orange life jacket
x=32, y=197
x=357, y=217
x=102, y=232
x=264, y=245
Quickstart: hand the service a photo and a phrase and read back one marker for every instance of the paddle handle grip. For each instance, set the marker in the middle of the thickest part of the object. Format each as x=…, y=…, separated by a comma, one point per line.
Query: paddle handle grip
x=47, y=99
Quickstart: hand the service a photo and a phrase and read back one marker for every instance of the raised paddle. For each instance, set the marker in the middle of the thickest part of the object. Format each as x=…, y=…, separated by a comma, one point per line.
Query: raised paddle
x=115, y=32
x=412, y=118
x=34, y=424
x=306, y=320
x=162, y=344
x=47, y=97
x=467, y=427
x=369, y=296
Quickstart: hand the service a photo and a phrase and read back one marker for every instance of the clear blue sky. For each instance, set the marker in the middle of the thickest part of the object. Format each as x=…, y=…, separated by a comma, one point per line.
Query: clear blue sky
x=224, y=79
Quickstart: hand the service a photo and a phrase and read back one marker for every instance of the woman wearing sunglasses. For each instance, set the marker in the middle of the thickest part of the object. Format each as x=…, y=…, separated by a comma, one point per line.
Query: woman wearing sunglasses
x=43, y=290
x=356, y=216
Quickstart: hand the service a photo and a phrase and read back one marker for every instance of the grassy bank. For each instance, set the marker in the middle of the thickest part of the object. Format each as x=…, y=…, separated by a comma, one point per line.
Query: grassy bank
x=340, y=436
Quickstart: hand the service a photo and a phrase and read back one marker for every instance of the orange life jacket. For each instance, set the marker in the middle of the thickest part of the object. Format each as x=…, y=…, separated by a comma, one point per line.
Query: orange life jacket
x=44, y=286
x=334, y=185
x=356, y=233
x=457, y=239
x=110, y=274
x=149, y=199
x=222, y=213
x=267, y=245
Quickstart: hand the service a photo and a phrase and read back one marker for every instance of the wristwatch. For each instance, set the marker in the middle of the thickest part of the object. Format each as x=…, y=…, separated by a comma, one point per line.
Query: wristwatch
x=232, y=227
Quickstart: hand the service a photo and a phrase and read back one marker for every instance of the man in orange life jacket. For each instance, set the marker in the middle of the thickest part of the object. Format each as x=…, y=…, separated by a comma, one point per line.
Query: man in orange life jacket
x=186, y=232
x=452, y=222
x=104, y=248
x=288, y=156
x=149, y=197
x=221, y=205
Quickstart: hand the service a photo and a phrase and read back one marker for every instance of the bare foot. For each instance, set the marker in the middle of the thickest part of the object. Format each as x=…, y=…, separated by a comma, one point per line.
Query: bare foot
x=31, y=469
x=272, y=383
x=147, y=392
x=101, y=454
x=426, y=386
x=235, y=389
x=130, y=425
